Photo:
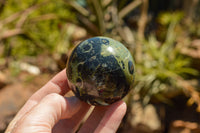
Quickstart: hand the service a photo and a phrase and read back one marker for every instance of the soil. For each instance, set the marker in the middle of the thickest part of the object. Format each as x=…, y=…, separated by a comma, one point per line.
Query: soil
x=15, y=93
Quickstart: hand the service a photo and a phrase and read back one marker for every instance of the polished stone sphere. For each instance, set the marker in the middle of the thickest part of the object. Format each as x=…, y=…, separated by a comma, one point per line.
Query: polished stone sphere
x=100, y=71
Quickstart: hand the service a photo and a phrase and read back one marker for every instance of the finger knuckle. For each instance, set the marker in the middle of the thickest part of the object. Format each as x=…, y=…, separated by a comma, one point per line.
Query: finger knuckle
x=54, y=97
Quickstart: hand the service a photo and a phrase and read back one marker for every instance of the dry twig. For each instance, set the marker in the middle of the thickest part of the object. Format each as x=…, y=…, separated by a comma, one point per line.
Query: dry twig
x=141, y=28
x=10, y=33
x=189, y=89
x=129, y=8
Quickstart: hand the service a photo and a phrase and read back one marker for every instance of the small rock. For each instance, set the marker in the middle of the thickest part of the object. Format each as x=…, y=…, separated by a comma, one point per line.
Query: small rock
x=145, y=118
x=30, y=68
x=179, y=126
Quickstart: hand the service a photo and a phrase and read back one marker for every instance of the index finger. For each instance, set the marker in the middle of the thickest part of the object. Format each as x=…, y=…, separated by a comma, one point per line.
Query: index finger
x=58, y=84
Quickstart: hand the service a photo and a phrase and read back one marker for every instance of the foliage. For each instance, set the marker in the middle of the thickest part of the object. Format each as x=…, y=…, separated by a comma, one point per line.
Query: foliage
x=33, y=27
x=163, y=65
x=105, y=17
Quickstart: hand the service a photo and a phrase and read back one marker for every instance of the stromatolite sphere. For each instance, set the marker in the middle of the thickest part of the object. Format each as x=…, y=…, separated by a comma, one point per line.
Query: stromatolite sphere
x=100, y=71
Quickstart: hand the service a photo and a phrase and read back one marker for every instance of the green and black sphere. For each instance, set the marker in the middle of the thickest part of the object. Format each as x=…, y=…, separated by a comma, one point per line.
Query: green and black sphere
x=100, y=71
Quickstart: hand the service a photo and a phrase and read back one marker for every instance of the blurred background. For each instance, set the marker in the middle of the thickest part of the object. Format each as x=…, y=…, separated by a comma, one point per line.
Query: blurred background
x=162, y=35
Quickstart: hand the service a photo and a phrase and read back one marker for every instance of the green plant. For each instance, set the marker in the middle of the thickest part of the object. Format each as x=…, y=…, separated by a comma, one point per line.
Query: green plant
x=34, y=27
x=162, y=66
x=105, y=17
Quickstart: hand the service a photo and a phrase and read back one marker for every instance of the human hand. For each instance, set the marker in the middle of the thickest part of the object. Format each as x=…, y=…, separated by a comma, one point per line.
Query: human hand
x=48, y=111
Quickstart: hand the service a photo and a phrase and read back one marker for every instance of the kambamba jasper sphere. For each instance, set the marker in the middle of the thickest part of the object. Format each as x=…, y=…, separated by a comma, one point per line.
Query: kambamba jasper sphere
x=100, y=71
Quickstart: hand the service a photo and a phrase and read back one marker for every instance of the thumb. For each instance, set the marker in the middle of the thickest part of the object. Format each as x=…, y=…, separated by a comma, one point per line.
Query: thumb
x=47, y=113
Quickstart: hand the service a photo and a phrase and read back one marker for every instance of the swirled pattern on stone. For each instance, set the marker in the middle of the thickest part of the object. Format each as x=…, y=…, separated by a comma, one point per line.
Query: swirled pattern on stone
x=100, y=71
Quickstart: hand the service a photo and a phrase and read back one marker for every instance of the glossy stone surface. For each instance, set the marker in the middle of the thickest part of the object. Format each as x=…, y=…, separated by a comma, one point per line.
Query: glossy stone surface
x=100, y=71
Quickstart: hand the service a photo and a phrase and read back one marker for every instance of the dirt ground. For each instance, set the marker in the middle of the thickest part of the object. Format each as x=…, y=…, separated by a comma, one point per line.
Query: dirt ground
x=14, y=93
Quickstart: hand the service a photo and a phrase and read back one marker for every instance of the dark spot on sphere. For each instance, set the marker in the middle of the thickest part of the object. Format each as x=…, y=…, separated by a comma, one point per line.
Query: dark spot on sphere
x=78, y=80
x=86, y=47
x=80, y=67
x=76, y=91
x=130, y=67
x=123, y=66
x=105, y=41
x=95, y=62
